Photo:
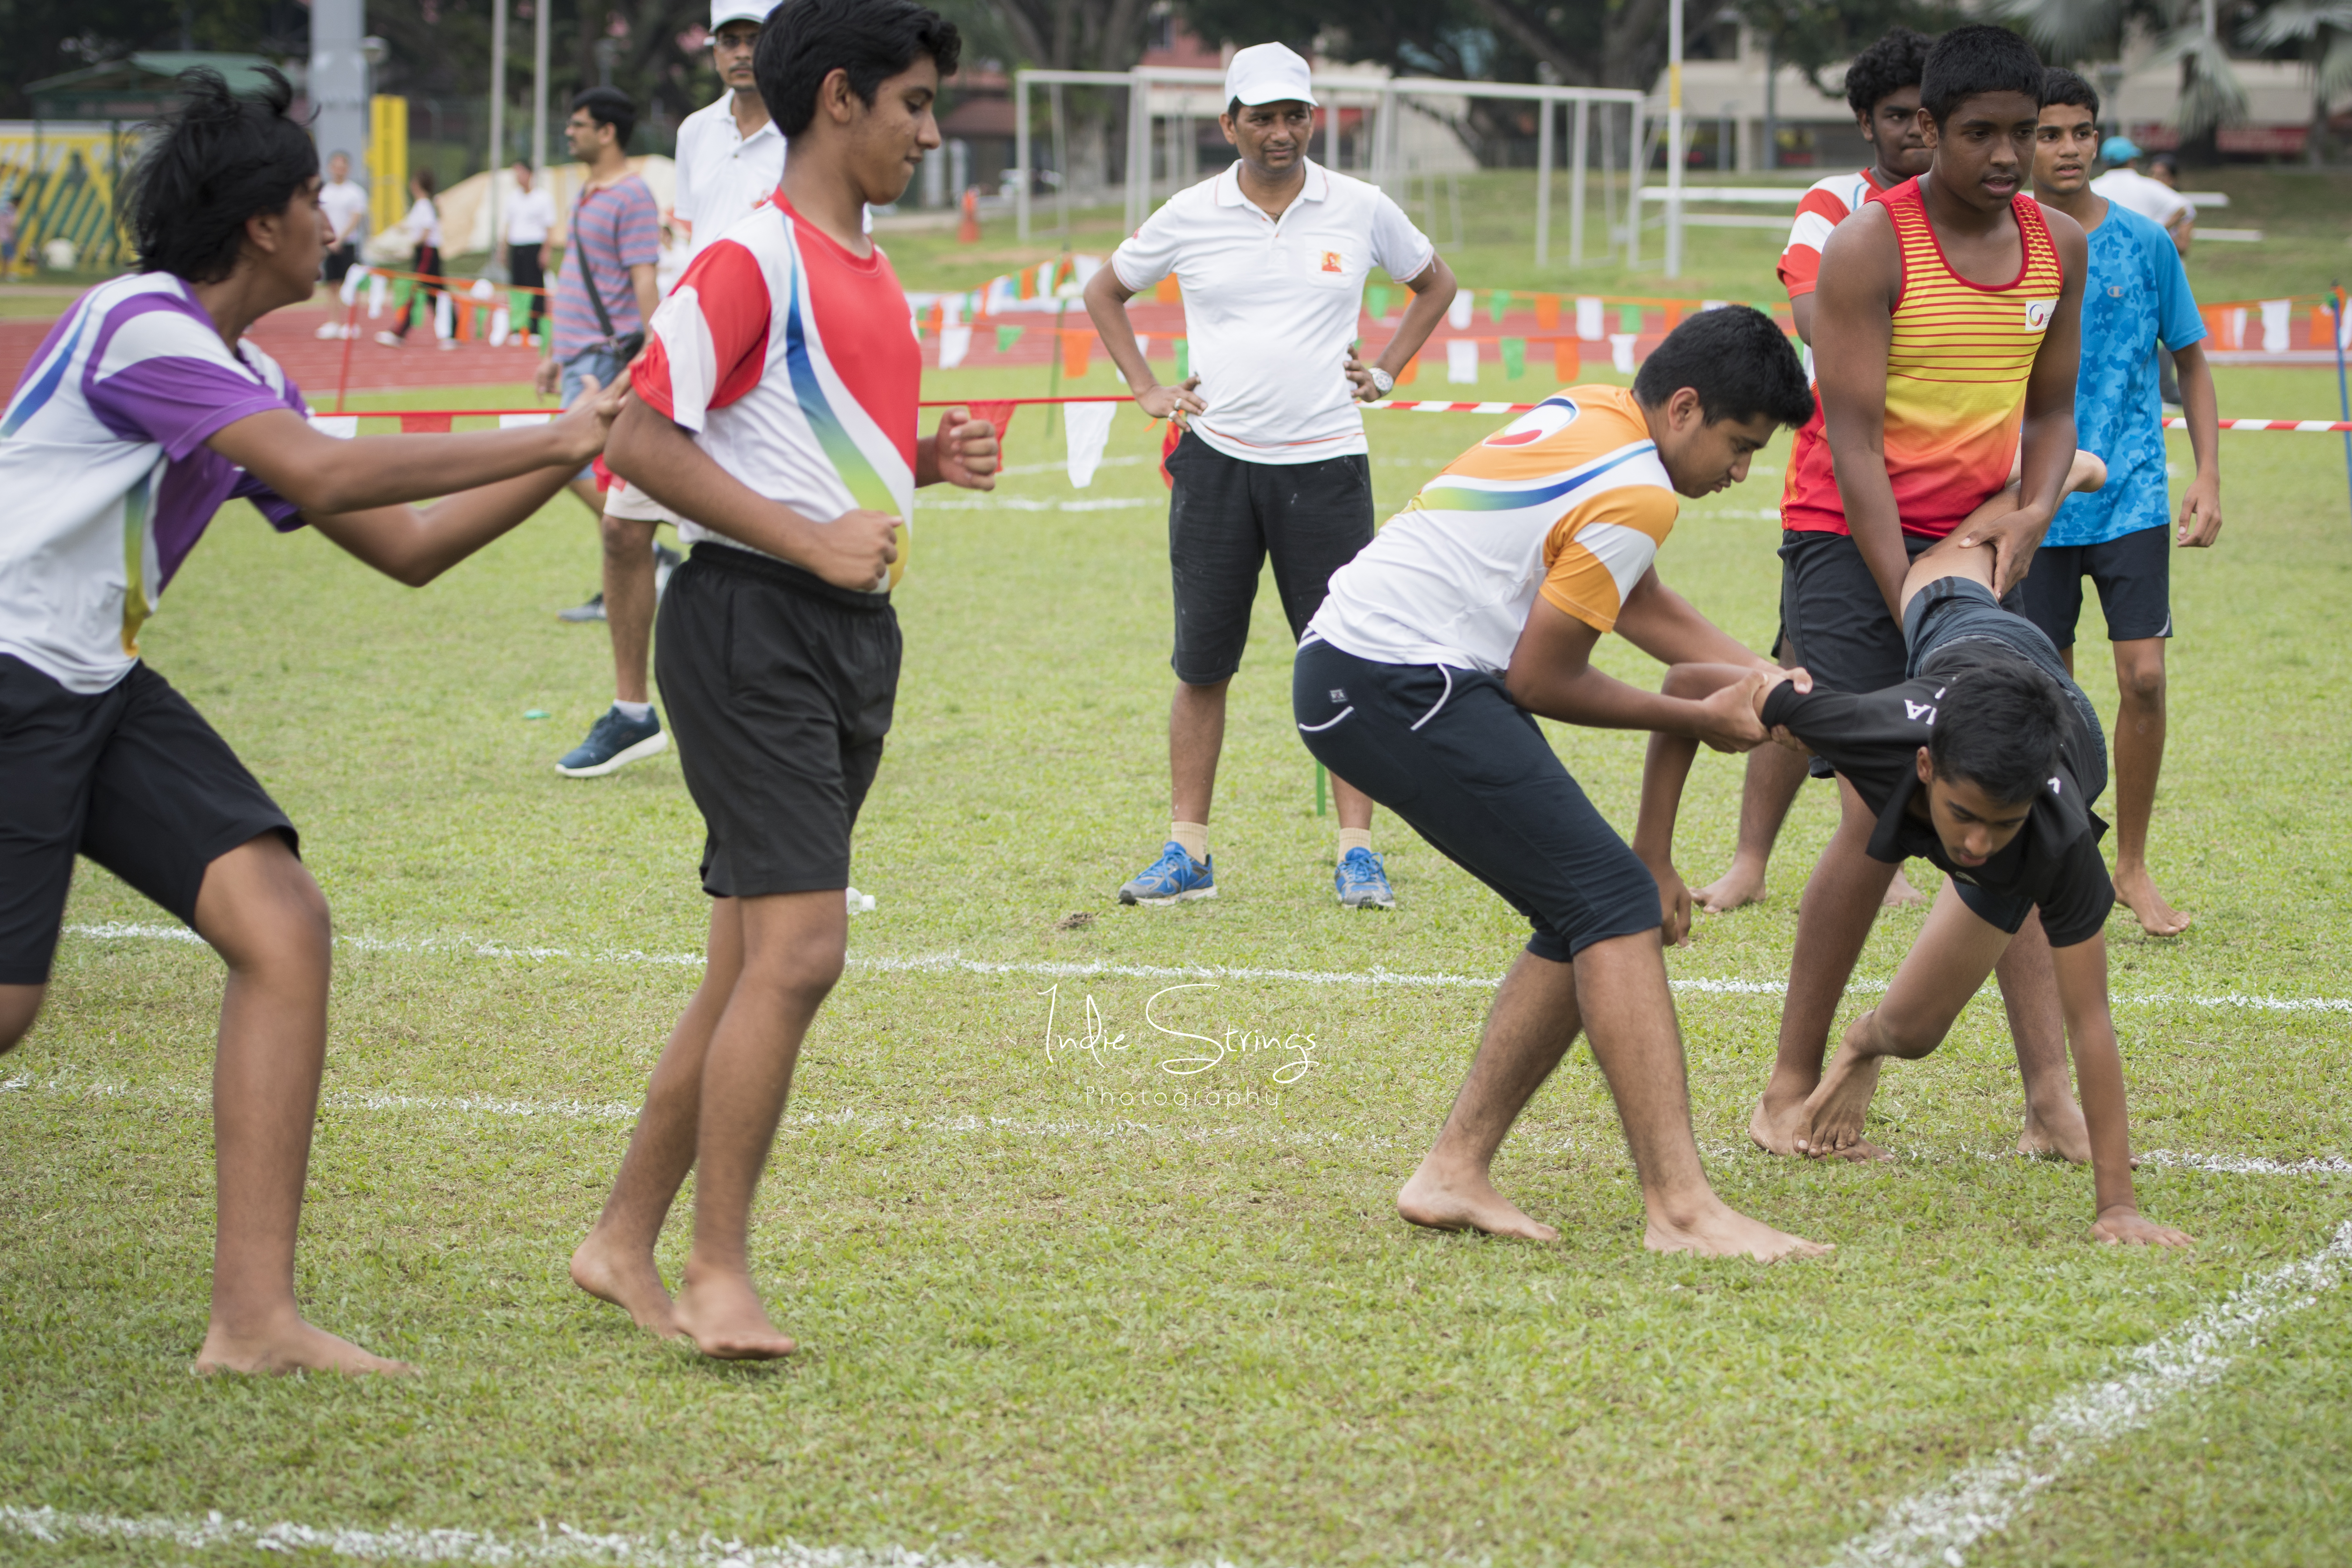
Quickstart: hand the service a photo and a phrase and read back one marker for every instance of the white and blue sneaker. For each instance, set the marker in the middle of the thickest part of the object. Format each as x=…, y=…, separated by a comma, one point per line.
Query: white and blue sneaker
x=614, y=742
x=1172, y=879
x=1363, y=882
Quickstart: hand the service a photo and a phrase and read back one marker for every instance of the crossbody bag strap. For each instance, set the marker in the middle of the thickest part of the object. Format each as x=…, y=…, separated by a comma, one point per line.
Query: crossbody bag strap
x=588, y=273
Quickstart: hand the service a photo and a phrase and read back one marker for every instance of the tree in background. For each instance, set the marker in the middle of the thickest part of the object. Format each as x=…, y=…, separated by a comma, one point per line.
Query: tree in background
x=49, y=37
x=2188, y=31
x=2321, y=34
x=1814, y=35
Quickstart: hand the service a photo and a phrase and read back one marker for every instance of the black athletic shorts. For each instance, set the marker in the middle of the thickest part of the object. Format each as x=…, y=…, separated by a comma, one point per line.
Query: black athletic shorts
x=1225, y=517
x=2134, y=577
x=1834, y=621
x=133, y=778
x=779, y=688
x=1448, y=751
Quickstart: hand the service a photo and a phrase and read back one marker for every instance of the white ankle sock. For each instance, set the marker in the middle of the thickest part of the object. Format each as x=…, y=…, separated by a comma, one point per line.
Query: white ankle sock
x=1193, y=835
x=1354, y=838
x=635, y=713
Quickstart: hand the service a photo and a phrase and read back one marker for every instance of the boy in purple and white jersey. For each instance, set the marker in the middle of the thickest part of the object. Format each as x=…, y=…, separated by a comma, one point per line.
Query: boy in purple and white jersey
x=142, y=414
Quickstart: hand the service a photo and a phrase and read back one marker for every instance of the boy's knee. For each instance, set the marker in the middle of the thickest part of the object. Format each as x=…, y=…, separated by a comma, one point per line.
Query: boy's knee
x=625, y=537
x=2141, y=676
x=19, y=1006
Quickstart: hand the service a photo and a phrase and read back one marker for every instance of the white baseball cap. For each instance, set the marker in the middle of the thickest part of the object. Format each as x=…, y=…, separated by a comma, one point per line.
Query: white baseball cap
x=725, y=10
x=1267, y=73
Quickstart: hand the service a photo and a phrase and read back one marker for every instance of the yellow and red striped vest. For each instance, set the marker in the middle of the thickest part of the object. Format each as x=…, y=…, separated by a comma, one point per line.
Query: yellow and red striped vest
x=1956, y=375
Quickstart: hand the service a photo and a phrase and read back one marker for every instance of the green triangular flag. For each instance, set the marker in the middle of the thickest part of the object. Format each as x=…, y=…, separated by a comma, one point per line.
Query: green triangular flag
x=1498, y=305
x=1629, y=319
x=1514, y=358
x=1007, y=336
x=1183, y=358
x=1376, y=300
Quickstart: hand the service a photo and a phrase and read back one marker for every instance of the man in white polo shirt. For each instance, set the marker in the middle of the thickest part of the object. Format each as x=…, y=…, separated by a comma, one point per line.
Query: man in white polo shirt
x=729, y=159
x=1272, y=255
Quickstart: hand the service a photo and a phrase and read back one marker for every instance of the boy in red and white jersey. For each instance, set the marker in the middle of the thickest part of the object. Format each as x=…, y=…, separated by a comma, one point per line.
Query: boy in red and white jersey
x=777, y=406
x=1882, y=86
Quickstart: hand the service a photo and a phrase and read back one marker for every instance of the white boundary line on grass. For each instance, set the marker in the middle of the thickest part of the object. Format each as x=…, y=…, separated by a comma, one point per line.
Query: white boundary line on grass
x=958, y=1126
x=400, y=1543
x=950, y=963
x=1935, y=1528
x=1932, y=1530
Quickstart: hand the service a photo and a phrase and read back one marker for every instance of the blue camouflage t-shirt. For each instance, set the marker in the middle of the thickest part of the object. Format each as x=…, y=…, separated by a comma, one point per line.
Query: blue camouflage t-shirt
x=2136, y=294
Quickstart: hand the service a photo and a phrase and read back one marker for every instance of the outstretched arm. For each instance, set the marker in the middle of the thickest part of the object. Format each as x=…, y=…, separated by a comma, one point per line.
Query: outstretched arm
x=1552, y=674
x=361, y=494
x=2099, y=1080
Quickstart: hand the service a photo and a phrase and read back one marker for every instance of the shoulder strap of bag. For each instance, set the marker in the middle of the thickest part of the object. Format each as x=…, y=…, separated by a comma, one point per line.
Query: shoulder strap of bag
x=588, y=273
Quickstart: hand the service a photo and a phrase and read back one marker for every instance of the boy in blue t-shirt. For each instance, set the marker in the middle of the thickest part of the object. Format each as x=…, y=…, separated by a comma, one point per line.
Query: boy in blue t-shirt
x=2134, y=297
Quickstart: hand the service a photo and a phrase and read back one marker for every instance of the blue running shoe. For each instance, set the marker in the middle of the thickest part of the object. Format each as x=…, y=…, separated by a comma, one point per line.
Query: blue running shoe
x=614, y=742
x=1172, y=879
x=1363, y=882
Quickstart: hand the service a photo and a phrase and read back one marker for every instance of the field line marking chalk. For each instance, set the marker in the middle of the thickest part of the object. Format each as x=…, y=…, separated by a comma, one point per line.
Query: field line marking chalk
x=950, y=963
x=1111, y=1126
x=402, y=1543
x=1935, y=1528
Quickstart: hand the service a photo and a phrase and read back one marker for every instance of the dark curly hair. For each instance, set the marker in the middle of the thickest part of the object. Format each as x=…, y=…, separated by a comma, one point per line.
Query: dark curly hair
x=1738, y=362
x=1895, y=62
x=209, y=164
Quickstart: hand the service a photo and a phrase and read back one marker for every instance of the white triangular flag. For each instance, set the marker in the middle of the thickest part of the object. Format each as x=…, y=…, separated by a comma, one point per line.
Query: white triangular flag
x=1088, y=425
x=1587, y=319
x=1621, y=351
x=445, y=318
x=342, y=425
x=954, y=343
x=1462, y=361
x=1143, y=346
x=2233, y=335
x=2274, y=325
x=501, y=325
x=1457, y=314
x=375, y=295
x=351, y=282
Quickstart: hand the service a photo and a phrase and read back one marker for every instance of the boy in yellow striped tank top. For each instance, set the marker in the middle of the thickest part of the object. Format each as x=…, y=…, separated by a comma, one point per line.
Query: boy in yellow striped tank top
x=1947, y=336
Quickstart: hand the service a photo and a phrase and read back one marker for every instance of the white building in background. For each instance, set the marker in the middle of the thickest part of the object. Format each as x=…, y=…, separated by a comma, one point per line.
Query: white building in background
x=1726, y=105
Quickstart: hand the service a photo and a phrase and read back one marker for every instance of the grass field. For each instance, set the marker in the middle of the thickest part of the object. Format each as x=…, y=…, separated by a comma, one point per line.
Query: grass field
x=1043, y=1324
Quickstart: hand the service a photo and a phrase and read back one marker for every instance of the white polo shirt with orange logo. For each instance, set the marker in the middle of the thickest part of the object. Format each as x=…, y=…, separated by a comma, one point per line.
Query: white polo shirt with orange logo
x=1272, y=304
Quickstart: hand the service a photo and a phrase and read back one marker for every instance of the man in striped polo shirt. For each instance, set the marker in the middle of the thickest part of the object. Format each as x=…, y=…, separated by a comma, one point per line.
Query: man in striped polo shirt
x=1946, y=338
x=1881, y=88
x=614, y=246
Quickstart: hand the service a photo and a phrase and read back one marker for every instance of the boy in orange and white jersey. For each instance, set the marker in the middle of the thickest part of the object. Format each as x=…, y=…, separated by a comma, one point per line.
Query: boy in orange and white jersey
x=1479, y=605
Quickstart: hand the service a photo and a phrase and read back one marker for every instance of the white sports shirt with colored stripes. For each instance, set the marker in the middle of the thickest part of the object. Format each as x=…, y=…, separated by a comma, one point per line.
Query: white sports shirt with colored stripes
x=1569, y=503
x=792, y=362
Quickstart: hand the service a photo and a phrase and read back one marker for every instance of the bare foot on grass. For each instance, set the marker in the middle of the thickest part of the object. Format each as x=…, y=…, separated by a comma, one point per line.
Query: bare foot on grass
x=723, y=1317
x=629, y=1280
x=1723, y=1232
x=2138, y=889
x=1743, y=884
x=1900, y=893
x=1427, y=1200
x=291, y=1345
x=2061, y=1136
x=1836, y=1110
x=1774, y=1128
